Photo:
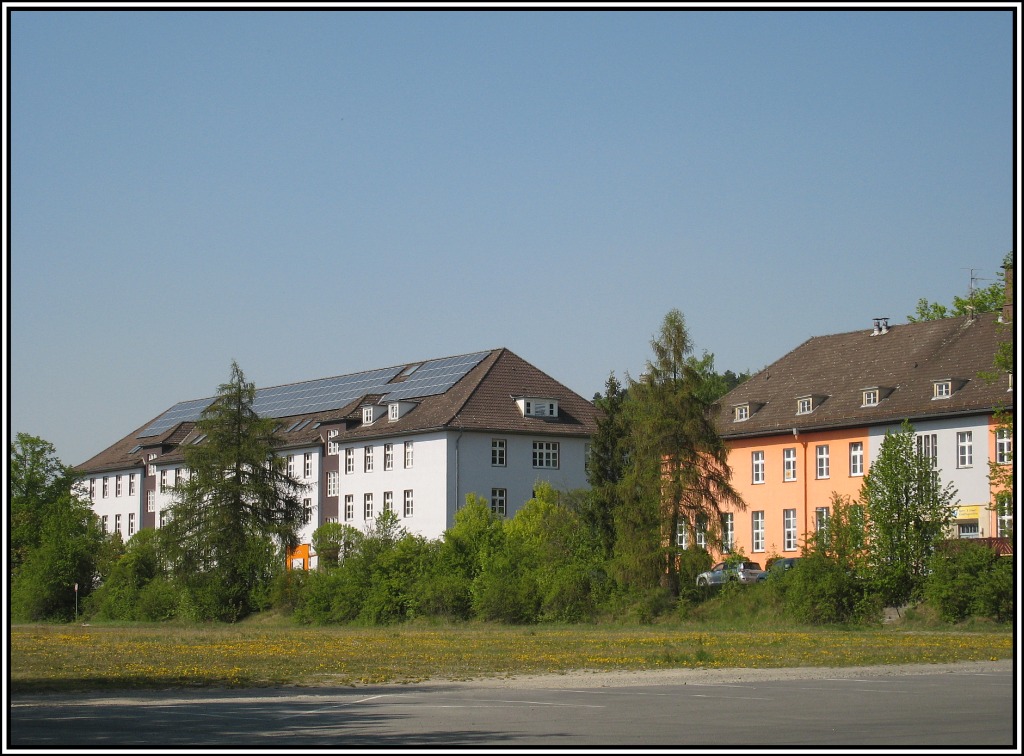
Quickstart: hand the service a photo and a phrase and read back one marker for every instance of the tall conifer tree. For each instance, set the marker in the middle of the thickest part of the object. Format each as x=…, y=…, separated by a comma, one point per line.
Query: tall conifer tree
x=679, y=464
x=237, y=511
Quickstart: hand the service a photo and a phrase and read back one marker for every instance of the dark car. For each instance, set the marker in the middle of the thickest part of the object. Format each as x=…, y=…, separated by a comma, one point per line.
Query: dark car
x=778, y=567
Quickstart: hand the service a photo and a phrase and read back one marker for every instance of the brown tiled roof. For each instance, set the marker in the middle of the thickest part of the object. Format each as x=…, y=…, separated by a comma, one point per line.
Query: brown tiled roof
x=482, y=400
x=906, y=359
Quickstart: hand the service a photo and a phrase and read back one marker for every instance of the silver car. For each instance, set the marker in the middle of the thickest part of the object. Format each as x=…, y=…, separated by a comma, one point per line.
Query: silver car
x=723, y=572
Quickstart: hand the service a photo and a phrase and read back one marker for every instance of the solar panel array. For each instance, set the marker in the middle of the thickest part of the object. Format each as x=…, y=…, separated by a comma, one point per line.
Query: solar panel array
x=434, y=377
x=320, y=395
x=429, y=379
x=181, y=412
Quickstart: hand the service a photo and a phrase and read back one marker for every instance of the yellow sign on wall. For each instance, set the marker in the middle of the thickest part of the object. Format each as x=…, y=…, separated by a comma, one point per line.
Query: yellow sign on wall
x=968, y=513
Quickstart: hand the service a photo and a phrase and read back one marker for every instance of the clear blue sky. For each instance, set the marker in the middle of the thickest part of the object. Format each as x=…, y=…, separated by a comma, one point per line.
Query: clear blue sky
x=319, y=193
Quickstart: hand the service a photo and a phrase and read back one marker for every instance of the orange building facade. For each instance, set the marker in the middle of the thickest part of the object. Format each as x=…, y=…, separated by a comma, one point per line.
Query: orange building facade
x=788, y=482
x=808, y=427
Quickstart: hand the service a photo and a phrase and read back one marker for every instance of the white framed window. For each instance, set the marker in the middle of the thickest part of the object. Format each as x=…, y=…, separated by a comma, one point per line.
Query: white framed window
x=789, y=464
x=350, y=507
x=291, y=466
x=741, y=412
x=92, y=488
x=152, y=467
x=804, y=405
x=408, y=455
x=498, y=497
x=820, y=519
x=117, y=486
x=789, y=530
x=367, y=415
x=368, y=506
x=105, y=523
x=969, y=530
x=869, y=398
x=106, y=486
x=682, y=535
x=150, y=501
x=1004, y=446
x=928, y=446
x=942, y=389
x=539, y=407
x=498, y=449
x=1004, y=524
x=333, y=480
x=757, y=530
x=307, y=465
x=131, y=484
x=389, y=501
x=408, y=502
x=965, y=449
x=332, y=446
x=162, y=518
x=389, y=456
x=117, y=523
x=821, y=469
x=307, y=509
x=701, y=534
x=393, y=411
x=856, y=458
x=727, y=532
x=350, y=461
x=368, y=459
x=545, y=454
x=163, y=481
x=757, y=467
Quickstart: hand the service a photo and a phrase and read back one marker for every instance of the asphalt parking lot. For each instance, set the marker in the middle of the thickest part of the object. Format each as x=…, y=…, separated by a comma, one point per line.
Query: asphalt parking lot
x=959, y=707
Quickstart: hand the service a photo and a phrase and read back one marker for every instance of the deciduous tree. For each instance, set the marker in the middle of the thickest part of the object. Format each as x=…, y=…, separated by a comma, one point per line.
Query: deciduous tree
x=55, y=537
x=908, y=511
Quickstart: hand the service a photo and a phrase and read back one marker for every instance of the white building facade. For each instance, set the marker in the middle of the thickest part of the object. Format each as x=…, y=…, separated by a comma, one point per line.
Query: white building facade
x=415, y=439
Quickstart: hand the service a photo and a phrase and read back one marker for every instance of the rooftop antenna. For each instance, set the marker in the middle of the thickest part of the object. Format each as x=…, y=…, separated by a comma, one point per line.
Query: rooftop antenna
x=970, y=291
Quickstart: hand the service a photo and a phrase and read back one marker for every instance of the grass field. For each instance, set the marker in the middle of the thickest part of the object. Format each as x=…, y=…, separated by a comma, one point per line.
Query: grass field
x=81, y=657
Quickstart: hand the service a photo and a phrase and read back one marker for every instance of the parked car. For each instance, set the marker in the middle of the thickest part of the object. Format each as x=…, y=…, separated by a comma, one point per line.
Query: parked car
x=778, y=567
x=723, y=572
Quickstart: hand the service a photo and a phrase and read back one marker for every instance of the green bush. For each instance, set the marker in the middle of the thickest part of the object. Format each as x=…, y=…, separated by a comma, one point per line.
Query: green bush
x=329, y=598
x=692, y=561
x=157, y=601
x=286, y=590
x=442, y=594
x=819, y=591
x=967, y=579
x=504, y=591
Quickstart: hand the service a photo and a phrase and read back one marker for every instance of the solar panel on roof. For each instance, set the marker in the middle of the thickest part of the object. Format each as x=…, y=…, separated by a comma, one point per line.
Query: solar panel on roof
x=424, y=379
x=181, y=412
x=435, y=377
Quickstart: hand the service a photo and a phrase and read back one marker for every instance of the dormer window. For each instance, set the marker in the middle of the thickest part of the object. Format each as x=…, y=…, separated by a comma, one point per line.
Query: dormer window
x=537, y=406
x=807, y=404
x=942, y=389
x=869, y=397
x=371, y=412
x=741, y=412
x=396, y=410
